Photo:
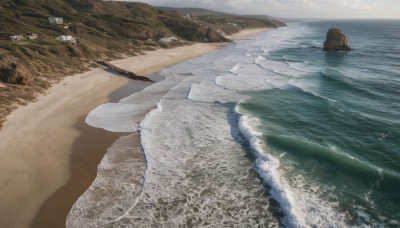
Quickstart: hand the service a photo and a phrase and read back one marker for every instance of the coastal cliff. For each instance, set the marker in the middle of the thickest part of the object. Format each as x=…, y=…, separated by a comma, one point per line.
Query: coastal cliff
x=43, y=53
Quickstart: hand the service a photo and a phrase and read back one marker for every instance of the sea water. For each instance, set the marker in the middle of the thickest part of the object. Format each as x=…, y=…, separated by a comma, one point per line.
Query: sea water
x=269, y=131
x=335, y=123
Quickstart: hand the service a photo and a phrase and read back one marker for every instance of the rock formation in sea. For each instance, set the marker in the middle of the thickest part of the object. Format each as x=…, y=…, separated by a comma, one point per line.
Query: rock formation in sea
x=336, y=41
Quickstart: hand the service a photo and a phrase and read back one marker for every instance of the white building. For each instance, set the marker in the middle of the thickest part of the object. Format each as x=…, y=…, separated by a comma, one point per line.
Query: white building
x=56, y=20
x=33, y=36
x=69, y=38
x=65, y=38
x=19, y=37
x=168, y=39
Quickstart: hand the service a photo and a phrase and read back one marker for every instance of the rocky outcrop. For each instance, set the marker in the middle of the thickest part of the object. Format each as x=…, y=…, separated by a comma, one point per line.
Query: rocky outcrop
x=213, y=36
x=128, y=74
x=17, y=74
x=336, y=41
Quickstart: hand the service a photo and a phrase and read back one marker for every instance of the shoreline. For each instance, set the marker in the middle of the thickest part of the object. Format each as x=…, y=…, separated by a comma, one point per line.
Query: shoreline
x=100, y=206
x=245, y=33
x=38, y=156
x=37, y=139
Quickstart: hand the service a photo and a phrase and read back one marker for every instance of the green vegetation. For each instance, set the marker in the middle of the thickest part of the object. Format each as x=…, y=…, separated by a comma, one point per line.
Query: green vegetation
x=226, y=23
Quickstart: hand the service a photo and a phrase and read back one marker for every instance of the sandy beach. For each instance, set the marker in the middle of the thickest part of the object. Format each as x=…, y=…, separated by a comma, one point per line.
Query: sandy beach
x=50, y=156
x=36, y=140
x=246, y=33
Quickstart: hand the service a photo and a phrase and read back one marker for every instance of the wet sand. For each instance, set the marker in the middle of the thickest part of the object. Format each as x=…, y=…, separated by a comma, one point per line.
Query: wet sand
x=87, y=152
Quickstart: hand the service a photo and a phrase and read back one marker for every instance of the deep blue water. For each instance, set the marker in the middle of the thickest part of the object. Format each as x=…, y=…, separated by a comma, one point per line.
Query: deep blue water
x=335, y=125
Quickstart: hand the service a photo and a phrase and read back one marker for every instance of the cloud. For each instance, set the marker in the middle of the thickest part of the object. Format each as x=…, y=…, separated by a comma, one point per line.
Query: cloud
x=354, y=4
x=294, y=8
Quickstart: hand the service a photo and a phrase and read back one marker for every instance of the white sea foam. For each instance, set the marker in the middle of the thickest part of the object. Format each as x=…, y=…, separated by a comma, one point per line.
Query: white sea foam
x=116, y=188
x=320, y=96
x=194, y=167
x=259, y=59
x=235, y=68
x=116, y=117
x=302, y=208
x=244, y=83
x=302, y=67
x=307, y=211
x=197, y=173
x=267, y=167
x=279, y=67
x=310, y=89
x=126, y=115
x=208, y=91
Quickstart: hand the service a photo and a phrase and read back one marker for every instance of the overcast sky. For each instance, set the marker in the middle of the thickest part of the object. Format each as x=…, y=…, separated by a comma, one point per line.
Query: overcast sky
x=295, y=8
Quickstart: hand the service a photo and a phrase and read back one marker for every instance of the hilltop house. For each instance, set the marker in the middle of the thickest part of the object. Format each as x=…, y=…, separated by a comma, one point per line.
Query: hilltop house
x=56, y=20
x=32, y=37
x=65, y=38
x=19, y=37
x=69, y=38
x=168, y=39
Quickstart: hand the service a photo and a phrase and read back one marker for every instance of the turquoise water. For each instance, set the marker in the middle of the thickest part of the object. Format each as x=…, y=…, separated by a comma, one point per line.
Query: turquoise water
x=335, y=125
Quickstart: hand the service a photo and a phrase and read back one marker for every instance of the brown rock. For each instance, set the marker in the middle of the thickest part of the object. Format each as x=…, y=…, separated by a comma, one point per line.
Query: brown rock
x=336, y=41
x=129, y=74
x=17, y=74
x=214, y=36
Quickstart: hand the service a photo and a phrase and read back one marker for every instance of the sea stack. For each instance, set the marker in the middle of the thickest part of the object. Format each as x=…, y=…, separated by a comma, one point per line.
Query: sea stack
x=336, y=41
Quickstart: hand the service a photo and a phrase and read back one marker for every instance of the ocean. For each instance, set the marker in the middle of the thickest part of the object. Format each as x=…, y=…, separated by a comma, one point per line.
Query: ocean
x=269, y=131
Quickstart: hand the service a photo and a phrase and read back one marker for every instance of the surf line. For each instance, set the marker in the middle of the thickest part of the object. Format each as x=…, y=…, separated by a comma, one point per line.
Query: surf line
x=143, y=182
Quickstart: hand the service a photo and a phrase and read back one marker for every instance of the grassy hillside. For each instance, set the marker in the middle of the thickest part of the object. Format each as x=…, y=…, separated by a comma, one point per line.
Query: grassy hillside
x=224, y=22
x=192, y=11
x=103, y=29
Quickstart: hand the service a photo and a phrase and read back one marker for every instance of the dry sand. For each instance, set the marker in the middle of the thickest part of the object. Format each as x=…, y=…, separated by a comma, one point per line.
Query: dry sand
x=36, y=140
x=246, y=33
x=155, y=61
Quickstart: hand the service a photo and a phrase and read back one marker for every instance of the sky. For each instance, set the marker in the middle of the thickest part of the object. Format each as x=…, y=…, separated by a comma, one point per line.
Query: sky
x=295, y=8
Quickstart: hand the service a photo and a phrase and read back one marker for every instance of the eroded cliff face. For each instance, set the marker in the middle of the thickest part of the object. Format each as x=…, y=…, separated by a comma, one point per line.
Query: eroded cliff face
x=336, y=41
x=190, y=30
x=16, y=74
